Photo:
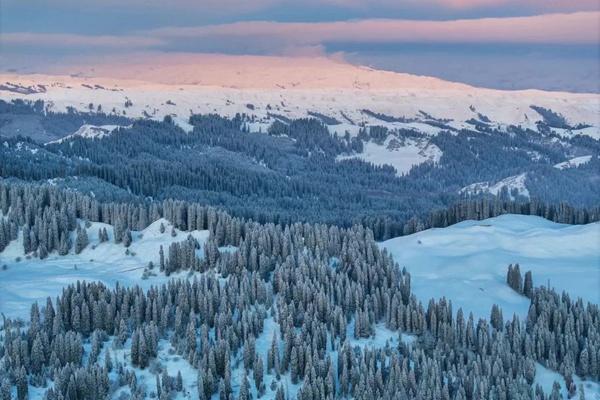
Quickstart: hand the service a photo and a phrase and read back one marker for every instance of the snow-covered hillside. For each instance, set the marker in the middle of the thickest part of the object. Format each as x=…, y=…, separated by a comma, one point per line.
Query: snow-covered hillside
x=467, y=262
x=344, y=97
x=90, y=132
x=27, y=279
x=400, y=155
x=513, y=184
x=574, y=162
x=271, y=87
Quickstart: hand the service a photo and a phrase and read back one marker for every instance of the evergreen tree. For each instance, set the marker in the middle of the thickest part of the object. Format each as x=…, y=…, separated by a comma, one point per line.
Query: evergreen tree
x=528, y=285
x=245, y=389
x=81, y=240
x=126, y=238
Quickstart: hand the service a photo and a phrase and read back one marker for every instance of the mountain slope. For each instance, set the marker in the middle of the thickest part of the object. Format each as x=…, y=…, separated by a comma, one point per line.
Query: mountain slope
x=267, y=87
x=467, y=262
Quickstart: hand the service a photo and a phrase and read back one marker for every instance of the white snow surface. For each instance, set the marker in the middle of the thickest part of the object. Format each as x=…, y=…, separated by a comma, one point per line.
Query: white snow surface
x=291, y=87
x=467, y=262
x=401, y=156
x=573, y=162
x=546, y=377
x=90, y=132
x=32, y=279
x=270, y=88
x=516, y=182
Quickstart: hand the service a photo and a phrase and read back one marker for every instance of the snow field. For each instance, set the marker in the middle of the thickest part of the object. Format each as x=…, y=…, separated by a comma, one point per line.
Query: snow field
x=467, y=262
x=27, y=279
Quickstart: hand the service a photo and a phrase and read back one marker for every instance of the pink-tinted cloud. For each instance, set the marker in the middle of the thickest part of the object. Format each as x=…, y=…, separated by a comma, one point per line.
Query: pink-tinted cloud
x=582, y=27
x=540, y=5
x=284, y=38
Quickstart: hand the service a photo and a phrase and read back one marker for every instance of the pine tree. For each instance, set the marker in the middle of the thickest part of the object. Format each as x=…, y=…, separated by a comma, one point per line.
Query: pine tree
x=201, y=387
x=126, y=237
x=64, y=244
x=135, y=348
x=272, y=353
x=496, y=317
x=26, y=241
x=528, y=285
x=258, y=372
x=294, y=367
x=179, y=382
x=143, y=351
x=21, y=383
x=279, y=395
x=37, y=355
x=161, y=254
x=108, y=364
x=555, y=394
x=245, y=389
x=81, y=241
x=223, y=395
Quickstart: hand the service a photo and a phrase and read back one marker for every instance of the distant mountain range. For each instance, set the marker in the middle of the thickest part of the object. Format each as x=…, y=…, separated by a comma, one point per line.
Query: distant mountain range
x=339, y=143
x=343, y=96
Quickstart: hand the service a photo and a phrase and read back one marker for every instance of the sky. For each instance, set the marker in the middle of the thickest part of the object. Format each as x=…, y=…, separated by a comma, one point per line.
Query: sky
x=507, y=44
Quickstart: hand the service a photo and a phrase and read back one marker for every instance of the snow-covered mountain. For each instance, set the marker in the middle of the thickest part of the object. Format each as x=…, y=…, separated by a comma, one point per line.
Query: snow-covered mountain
x=270, y=88
x=344, y=97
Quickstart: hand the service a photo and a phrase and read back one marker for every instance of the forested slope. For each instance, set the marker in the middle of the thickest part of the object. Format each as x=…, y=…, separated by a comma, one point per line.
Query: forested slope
x=299, y=171
x=318, y=292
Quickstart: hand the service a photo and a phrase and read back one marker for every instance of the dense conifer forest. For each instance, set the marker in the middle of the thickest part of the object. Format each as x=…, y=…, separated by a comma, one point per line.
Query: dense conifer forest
x=293, y=172
x=291, y=249
x=321, y=286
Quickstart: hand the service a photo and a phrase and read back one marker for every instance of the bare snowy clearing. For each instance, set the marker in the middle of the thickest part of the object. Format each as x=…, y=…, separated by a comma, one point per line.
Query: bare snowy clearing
x=467, y=262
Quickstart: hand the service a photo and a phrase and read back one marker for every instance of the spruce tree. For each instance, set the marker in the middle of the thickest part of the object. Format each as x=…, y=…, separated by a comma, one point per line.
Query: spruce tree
x=528, y=285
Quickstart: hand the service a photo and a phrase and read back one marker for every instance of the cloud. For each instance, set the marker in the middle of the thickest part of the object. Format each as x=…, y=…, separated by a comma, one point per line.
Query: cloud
x=539, y=5
x=575, y=28
x=266, y=37
x=243, y=6
x=77, y=42
x=70, y=16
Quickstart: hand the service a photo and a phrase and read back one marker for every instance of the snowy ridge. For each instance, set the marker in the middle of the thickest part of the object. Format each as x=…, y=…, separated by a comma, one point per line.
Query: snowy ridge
x=267, y=87
x=346, y=98
x=574, y=162
x=512, y=183
x=90, y=132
